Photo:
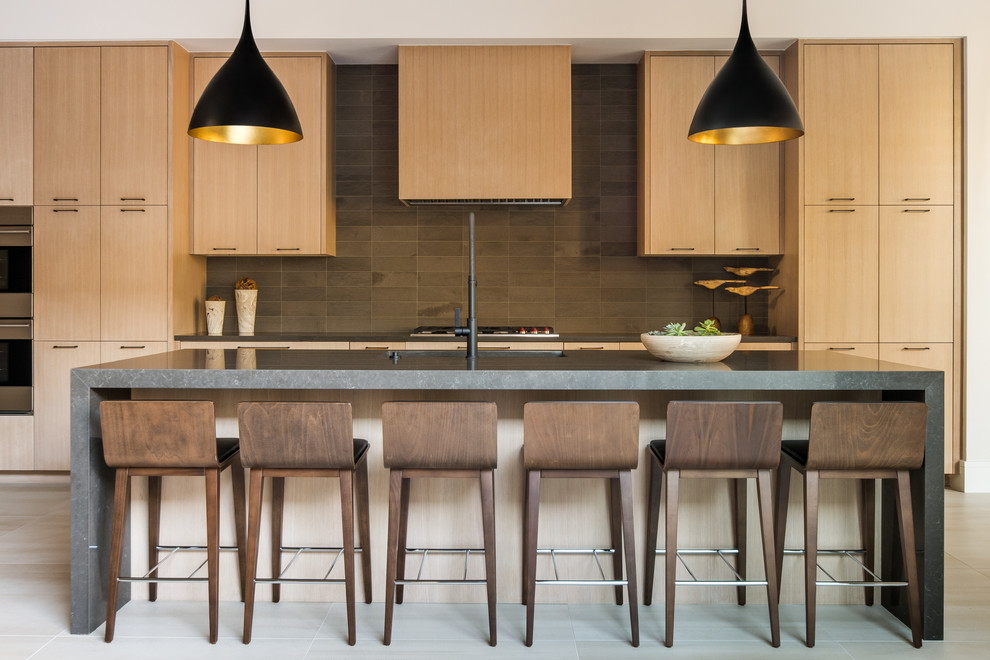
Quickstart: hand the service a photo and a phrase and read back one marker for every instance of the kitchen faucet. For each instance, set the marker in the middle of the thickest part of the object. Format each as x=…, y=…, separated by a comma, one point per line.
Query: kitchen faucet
x=471, y=329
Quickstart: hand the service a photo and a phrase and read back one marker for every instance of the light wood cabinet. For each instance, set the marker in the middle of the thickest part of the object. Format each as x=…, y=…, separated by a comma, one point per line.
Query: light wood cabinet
x=275, y=199
x=16, y=442
x=867, y=350
x=916, y=274
x=134, y=273
x=930, y=356
x=110, y=351
x=484, y=122
x=841, y=300
x=67, y=273
x=700, y=199
x=916, y=124
x=17, y=126
x=52, y=364
x=67, y=125
x=134, y=121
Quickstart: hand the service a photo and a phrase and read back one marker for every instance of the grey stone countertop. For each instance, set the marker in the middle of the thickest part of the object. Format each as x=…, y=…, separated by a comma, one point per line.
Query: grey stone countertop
x=405, y=336
x=561, y=370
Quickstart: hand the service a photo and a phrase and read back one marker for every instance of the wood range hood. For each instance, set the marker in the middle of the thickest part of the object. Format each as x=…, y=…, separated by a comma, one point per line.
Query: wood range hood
x=485, y=124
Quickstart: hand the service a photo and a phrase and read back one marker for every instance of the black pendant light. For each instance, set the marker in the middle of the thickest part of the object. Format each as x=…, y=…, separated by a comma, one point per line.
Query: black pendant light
x=746, y=103
x=245, y=103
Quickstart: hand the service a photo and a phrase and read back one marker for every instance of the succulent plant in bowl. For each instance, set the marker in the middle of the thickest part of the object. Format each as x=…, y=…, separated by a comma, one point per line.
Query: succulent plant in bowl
x=705, y=343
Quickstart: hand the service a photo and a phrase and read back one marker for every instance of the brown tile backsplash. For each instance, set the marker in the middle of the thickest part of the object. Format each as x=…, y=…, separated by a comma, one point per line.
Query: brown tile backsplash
x=397, y=267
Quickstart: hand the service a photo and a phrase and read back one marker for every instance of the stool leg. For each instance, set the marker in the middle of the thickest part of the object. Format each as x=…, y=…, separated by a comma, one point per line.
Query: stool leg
x=765, y=499
x=531, y=535
x=213, y=547
x=867, y=522
x=278, y=502
x=625, y=491
x=400, y=569
x=670, y=556
x=237, y=482
x=905, y=519
x=347, y=523
x=739, y=531
x=780, y=516
x=487, y=479
x=615, y=518
x=121, y=496
x=394, y=497
x=652, y=528
x=810, y=551
x=154, y=526
x=364, y=525
x=253, y=533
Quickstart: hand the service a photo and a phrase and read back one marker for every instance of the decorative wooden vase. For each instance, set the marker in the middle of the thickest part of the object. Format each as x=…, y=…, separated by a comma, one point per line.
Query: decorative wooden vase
x=247, y=303
x=214, y=317
x=746, y=325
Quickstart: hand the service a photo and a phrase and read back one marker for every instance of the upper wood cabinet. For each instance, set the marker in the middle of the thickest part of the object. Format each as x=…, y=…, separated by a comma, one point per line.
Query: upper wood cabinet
x=879, y=122
x=699, y=199
x=17, y=126
x=134, y=118
x=484, y=122
x=276, y=199
x=916, y=124
x=67, y=273
x=53, y=362
x=67, y=125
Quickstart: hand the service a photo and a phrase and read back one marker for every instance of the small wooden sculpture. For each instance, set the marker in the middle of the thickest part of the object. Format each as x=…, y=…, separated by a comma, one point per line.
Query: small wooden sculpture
x=746, y=271
x=711, y=285
x=746, y=324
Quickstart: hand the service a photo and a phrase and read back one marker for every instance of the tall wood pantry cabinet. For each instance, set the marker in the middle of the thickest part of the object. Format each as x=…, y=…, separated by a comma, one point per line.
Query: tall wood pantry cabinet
x=270, y=199
x=872, y=206
x=698, y=199
x=112, y=273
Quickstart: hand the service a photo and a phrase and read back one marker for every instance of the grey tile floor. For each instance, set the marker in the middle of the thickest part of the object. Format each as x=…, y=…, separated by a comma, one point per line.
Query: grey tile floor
x=34, y=613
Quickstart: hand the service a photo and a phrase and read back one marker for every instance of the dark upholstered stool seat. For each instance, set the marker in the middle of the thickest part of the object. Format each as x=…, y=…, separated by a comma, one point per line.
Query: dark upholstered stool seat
x=446, y=439
x=304, y=439
x=582, y=439
x=730, y=440
x=169, y=438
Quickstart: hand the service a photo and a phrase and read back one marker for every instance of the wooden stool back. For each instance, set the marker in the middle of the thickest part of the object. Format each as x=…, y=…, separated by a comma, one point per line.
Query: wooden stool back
x=717, y=435
x=440, y=435
x=581, y=435
x=296, y=434
x=867, y=436
x=159, y=434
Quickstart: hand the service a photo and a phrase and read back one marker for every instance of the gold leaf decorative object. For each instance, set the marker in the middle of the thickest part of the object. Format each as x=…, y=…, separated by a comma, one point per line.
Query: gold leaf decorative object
x=746, y=271
x=747, y=290
x=714, y=284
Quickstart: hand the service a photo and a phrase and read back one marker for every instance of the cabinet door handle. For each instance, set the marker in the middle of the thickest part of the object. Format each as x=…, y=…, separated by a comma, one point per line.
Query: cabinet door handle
x=15, y=231
x=65, y=199
x=842, y=199
x=842, y=210
x=916, y=211
x=15, y=325
x=377, y=348
x=132, y=210
x=287, y=249
x=592, y=348
x=842, y=348
x=682, y=249
x=76, y=346
x=230, y=249
x=495, y=348
x=916, y=348
x=65, y=210
x=133, y=347
x=6, y=199
x=917, y=199
x=254, y=347
x=132, y=199
x=748, y=249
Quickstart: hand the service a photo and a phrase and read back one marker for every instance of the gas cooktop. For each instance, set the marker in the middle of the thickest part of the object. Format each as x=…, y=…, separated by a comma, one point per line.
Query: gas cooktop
x=487, y=331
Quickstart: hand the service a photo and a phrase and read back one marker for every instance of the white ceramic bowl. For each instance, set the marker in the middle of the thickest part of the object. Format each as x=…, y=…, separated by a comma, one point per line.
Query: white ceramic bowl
x=691, y=348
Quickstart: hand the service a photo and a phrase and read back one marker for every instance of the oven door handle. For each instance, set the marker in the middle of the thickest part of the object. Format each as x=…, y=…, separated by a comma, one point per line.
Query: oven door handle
x=15, y=325
x=15, y=231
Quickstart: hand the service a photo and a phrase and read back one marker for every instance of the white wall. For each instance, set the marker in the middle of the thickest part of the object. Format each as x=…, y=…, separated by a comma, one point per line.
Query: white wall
x=598, y=29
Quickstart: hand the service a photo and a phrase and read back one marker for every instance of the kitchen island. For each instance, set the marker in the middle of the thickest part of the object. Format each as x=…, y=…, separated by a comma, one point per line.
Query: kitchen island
x=366, y=378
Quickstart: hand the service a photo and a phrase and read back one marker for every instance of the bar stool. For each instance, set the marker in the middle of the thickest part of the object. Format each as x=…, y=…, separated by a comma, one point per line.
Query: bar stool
x=598, y=439
x=304, y=439
x=437, y=439
x=156, y=439
x=865, y=441
x=715, y=439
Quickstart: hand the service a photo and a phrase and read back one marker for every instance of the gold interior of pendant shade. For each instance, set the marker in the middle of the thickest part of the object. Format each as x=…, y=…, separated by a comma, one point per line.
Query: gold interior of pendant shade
x=746, y=135
x=245, y=134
